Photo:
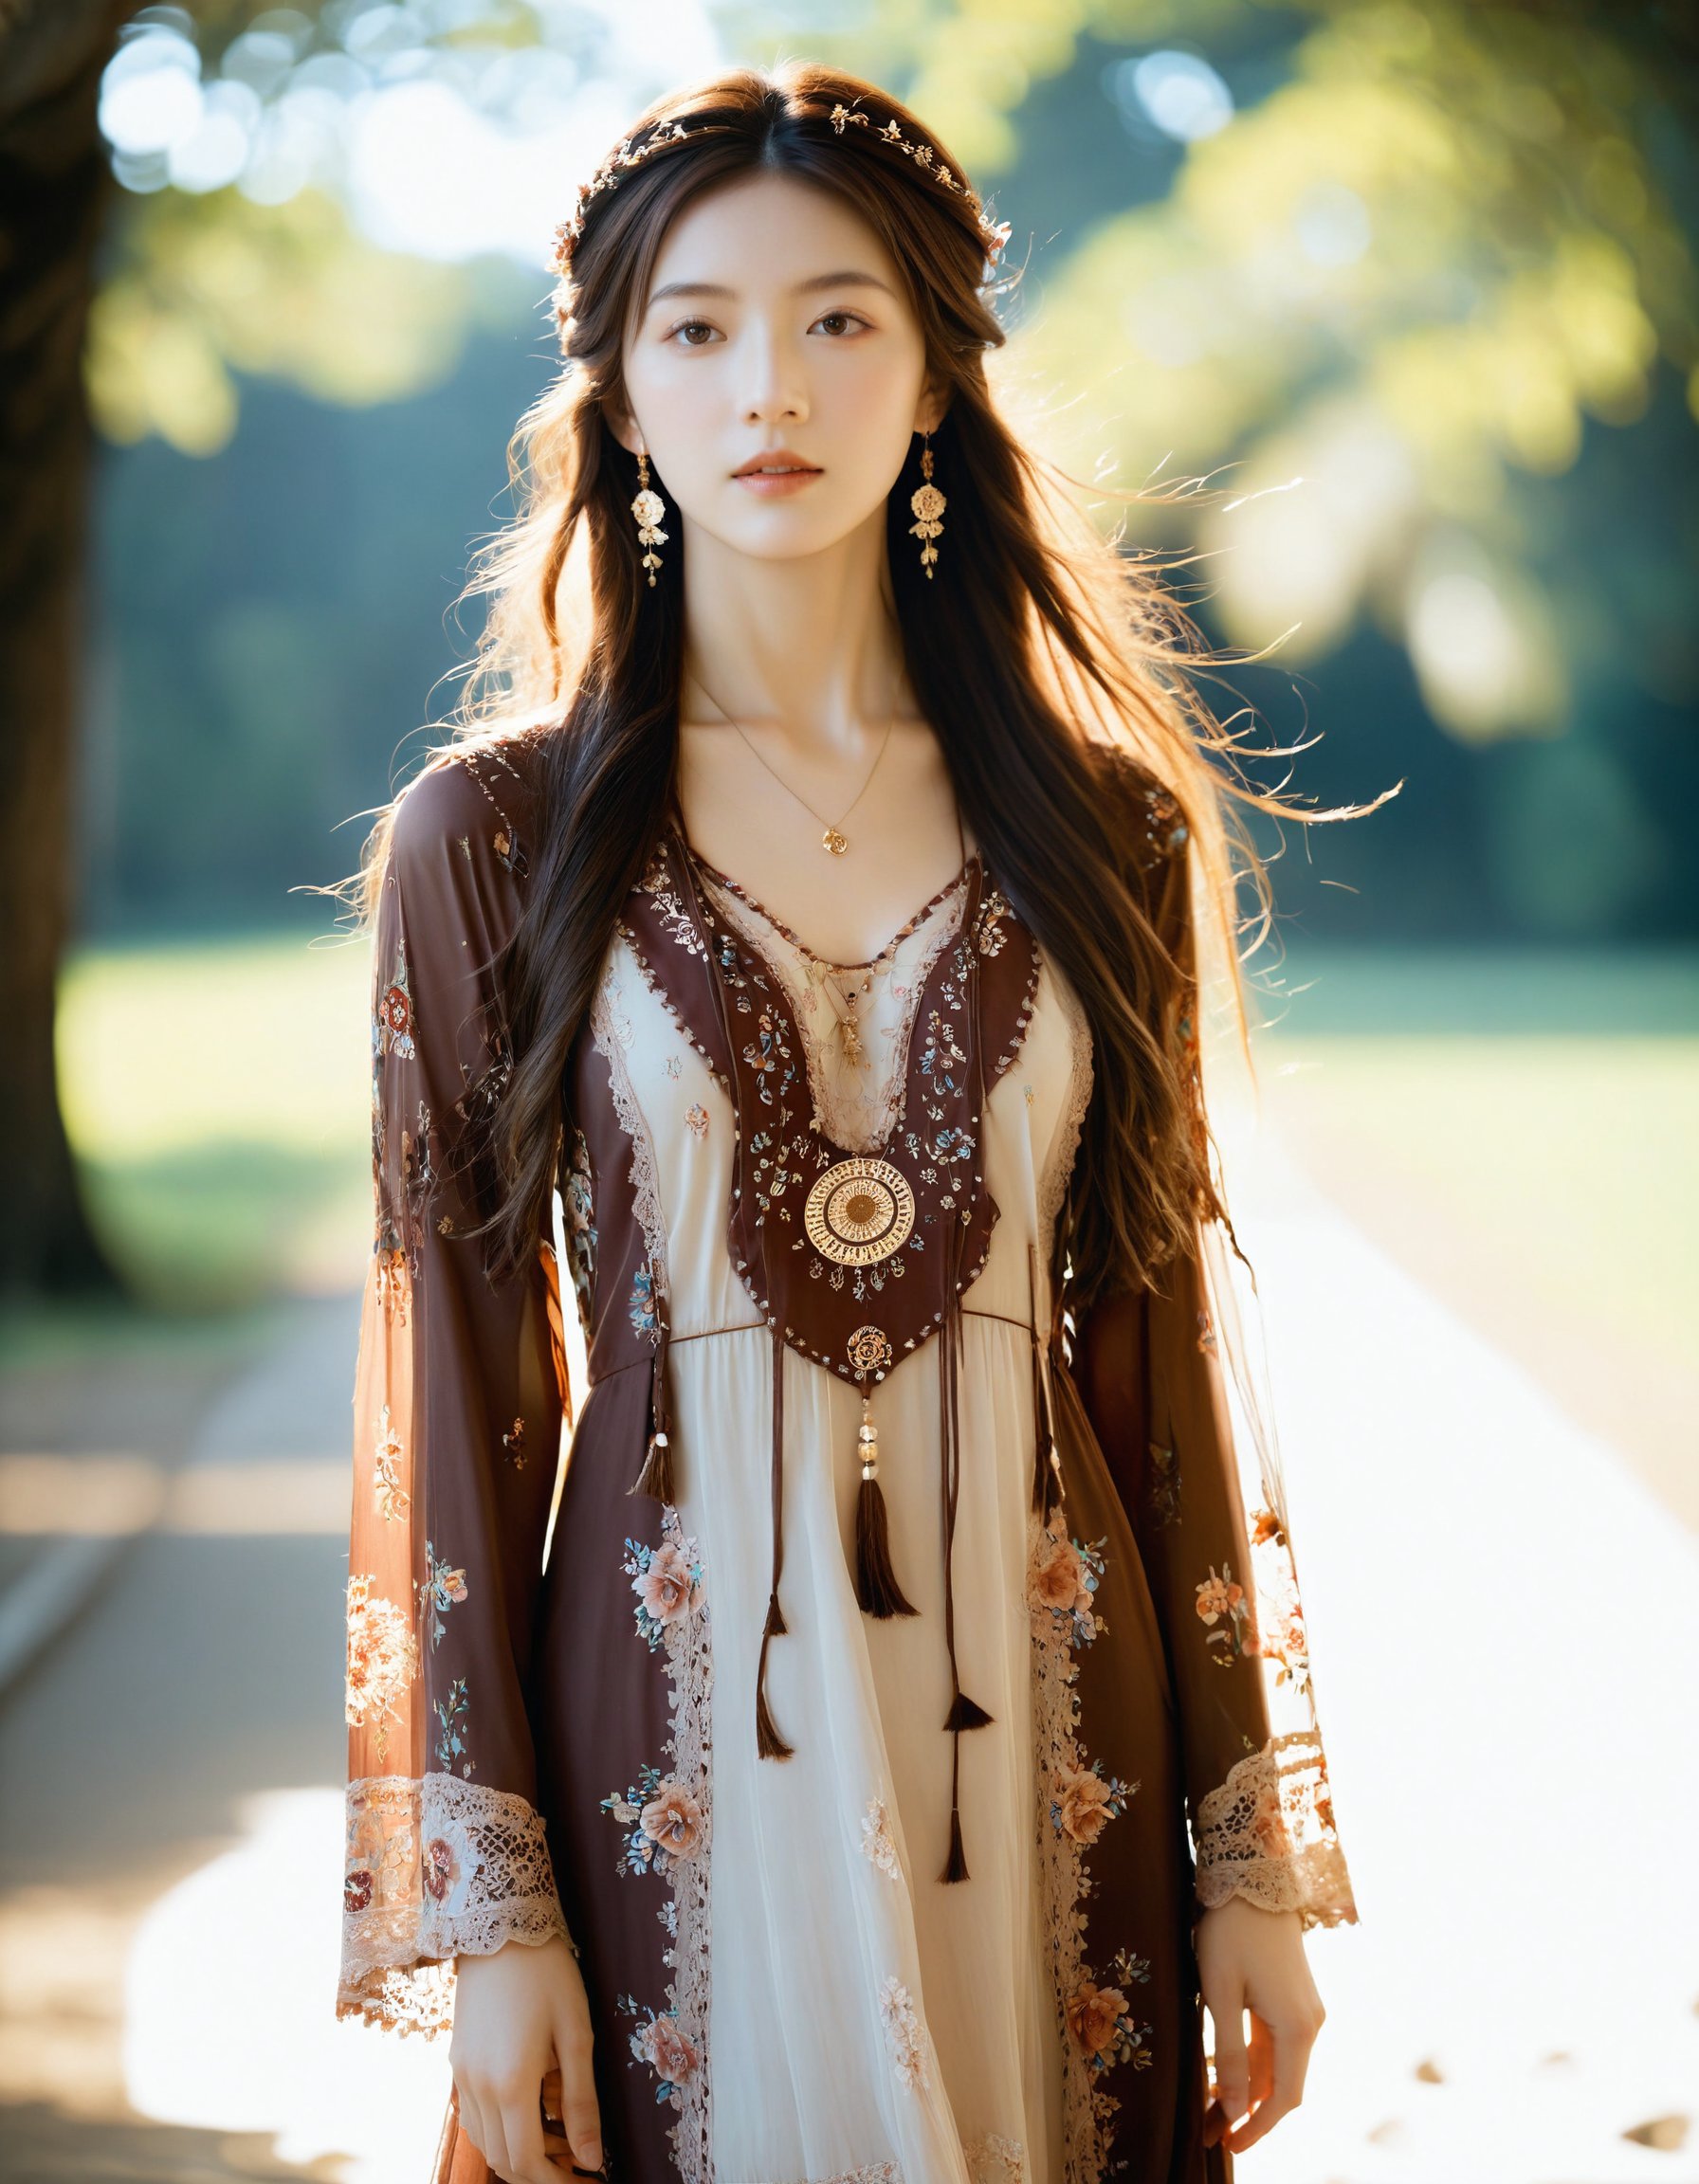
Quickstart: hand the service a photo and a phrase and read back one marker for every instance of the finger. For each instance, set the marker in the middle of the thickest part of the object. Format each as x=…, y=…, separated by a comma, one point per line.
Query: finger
x=1262, y=2059
x=471, y=2122
x=581, y=2113
x=1233, y=2070
x=522, y=2127
x=1291, y=2045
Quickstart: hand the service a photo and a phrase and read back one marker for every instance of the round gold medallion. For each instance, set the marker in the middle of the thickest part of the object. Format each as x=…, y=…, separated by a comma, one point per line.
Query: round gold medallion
x=859, y=1211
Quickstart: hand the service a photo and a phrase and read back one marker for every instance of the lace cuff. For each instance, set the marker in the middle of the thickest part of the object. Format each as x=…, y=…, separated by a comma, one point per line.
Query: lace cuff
x=1267, y=1835
x=434, y=1868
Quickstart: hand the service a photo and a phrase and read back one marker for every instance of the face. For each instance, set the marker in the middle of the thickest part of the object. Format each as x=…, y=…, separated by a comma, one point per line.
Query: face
x=774, y=372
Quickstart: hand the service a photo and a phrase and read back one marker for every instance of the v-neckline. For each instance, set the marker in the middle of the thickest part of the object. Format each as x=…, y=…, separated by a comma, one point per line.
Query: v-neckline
x=910, y=924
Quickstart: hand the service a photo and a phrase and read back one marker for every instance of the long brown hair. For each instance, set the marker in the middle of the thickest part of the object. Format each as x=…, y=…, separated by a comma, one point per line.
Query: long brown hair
x=1044, y=657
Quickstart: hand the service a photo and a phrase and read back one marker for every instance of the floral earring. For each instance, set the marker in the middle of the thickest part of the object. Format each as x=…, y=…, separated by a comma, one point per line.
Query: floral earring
x=649, y=508
x=928, y=504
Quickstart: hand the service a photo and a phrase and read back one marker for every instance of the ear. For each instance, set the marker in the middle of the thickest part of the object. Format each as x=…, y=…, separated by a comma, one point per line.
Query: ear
x=934, y=402
x=623, y=425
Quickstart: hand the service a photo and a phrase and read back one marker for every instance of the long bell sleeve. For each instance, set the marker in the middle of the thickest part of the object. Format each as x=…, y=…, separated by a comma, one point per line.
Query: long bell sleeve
x=458, y=1406
x=1210, y=1521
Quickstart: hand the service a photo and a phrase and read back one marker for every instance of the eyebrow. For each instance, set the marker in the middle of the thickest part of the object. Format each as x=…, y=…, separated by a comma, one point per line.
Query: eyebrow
x=850, y=277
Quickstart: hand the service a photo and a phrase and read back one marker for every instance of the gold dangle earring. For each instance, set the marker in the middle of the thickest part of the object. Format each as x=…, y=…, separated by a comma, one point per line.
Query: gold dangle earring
x=649, y=508
x=928, y=504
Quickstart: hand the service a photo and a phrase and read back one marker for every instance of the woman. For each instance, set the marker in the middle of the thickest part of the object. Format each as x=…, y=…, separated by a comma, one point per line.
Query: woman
x=804, y=1798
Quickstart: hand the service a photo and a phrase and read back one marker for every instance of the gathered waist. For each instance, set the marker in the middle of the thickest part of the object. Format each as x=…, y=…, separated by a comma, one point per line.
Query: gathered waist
x=761, y=1326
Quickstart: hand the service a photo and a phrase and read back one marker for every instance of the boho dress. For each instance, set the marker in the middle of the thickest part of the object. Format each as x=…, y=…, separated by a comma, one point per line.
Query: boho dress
x=870, y=1881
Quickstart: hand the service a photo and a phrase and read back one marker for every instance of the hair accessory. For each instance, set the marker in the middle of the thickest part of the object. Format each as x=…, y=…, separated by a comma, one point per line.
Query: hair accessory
x=928, y=504
x=649, y=508
x=993, y=233
x=632, y=151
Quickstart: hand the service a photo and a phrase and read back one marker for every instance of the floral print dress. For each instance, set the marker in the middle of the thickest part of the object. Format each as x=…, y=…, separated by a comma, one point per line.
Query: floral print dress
x=550, y=1665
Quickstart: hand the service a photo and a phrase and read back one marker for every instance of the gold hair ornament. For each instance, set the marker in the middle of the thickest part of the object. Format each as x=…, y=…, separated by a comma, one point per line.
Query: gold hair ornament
x=629, y=152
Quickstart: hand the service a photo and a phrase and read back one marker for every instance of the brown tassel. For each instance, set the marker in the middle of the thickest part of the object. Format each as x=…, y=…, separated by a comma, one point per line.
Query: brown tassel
x=876, y=1587
x=656, y=1476
x=956, y=1864
x=966, y=1713
x=768, y=1741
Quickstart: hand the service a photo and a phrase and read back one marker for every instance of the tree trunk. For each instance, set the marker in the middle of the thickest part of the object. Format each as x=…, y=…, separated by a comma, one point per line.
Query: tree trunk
x=55, y=188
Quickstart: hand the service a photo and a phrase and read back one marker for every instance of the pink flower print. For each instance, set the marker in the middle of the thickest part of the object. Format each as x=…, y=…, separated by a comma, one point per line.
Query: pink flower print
x=672, y=1819
x=696, y=1118
x=1083, y=1799
x=667, y=1588
x=356, y=1890
x=440, y=1869
x=1059, y=1580
x=1093, y=2014
x=665, y=2047
x=1216, y=1598
x=1268, y=1824
x=383, y=1659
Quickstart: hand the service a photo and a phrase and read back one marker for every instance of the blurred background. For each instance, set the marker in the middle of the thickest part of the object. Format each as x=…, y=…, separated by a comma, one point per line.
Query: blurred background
x=1412, y=287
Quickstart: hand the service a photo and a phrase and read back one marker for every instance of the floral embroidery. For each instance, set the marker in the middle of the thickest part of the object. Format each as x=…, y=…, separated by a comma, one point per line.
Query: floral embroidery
x=905, y=2035
x=580, y=1222
x=1064, y=1579
x=1164, y=1484
x=642, y=1308
x=392, y=1278
x=514, y=1442
x=668, y=1582
x=394, y=1031
x=451, y=1715
x=1083, y=1799
x=877, y=1841
x=679, y=924
x=668, y=1823
x=1101, y=2024
x=383, y=1659
x=996, y=2158
x=392, y=1498
x=439, y=1589
x=1218, y=1597
x=1281, y=1635
x=696, y=1118
x=440, y=1869
x=988, y=932
x=659, y=2042
x=674, y=1064
x=1206, y=1335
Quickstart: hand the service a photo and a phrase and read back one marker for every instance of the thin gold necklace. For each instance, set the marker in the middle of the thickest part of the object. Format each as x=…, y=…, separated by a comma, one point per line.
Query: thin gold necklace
x=833, y=839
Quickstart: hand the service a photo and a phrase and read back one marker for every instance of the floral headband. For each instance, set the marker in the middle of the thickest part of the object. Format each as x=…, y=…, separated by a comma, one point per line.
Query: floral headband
x=627, y=155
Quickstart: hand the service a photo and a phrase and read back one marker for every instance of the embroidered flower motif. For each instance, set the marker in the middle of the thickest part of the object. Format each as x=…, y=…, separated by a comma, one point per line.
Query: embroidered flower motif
x=392, y=1498
x=877, y=1841
x=393, y=1030
x=1083, y=1800
x=514, y=1442
x=580, y=1220
x=1100, y=2023
x=439, y=1869
x=1065, y=1575
x=667, y=1823
x=641, y=1306
x=659, y=2041
x=1206, y=1335
x=696, y=1119
x=451, y=1713
x=905, y=2035
x=393, y=1282
x=668, y=1582
x=1269, y=1822
x=439, y=1589
x=1219, y=1597
x=1265, y=1525
x=674, y=1064
x=383, y=1659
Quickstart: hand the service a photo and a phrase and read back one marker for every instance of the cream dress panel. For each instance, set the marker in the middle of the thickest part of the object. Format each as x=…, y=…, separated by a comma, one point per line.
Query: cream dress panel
x=868, y=2024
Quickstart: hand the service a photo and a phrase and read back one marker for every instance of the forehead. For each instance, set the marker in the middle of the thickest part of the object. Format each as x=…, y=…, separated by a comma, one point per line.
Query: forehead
x=759, y=233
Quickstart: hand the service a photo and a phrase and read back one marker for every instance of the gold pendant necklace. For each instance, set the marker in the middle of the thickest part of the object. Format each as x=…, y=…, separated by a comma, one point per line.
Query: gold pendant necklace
x=834, y=840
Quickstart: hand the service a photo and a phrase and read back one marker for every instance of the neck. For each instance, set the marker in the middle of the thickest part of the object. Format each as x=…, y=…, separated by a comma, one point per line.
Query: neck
x=808, y=646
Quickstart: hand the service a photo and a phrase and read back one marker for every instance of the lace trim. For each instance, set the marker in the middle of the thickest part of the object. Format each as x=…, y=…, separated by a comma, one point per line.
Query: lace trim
x=837, y=1113
x=1064, y=1882
x=434, y=1868
x=613, y=1035
x=1052, y=1184
x=1249, y=1833
x=690, y=1673
x=993, y=2159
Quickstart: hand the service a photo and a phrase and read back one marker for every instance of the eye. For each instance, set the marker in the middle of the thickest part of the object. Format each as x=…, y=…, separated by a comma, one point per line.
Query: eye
x=690, y=328
x=840, y=323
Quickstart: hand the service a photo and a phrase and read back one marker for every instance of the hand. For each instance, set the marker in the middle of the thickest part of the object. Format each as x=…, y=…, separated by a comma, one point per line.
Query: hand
x=1249, y=1958
x=521, y=2030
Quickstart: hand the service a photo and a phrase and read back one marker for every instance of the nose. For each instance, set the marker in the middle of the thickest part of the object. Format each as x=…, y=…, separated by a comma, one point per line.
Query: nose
x=776, y=389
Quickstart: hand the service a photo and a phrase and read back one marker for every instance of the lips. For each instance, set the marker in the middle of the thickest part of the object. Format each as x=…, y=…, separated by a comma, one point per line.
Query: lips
x=776, y=463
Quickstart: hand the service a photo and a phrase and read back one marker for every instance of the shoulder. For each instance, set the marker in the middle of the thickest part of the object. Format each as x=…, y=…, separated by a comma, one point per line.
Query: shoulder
x=476, y=801
x=1150, y=824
